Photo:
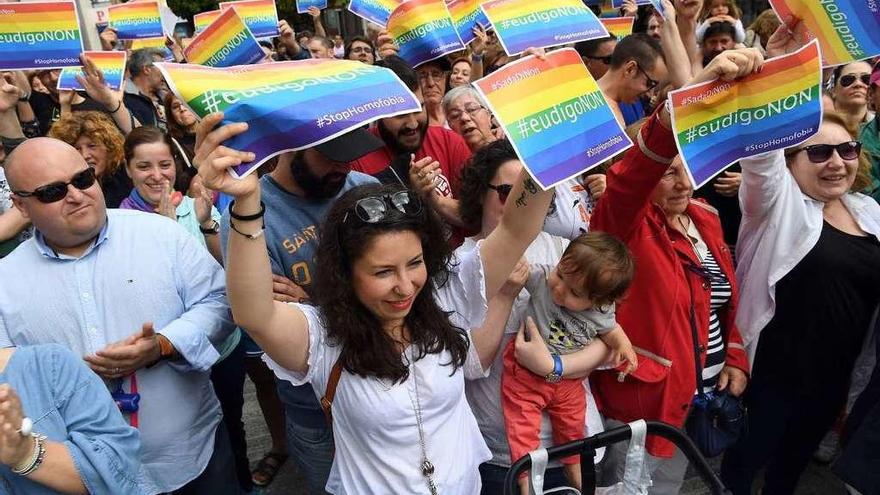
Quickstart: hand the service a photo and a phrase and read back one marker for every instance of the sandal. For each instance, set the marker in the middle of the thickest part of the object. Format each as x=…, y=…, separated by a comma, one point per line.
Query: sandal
x=267, y=468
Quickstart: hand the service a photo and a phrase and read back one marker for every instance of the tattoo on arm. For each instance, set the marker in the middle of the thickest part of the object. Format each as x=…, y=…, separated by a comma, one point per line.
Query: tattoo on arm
x=521, y=201
x=530, y=186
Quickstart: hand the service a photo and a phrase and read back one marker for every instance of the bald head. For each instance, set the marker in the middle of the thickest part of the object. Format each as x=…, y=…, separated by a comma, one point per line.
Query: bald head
x=34, y=155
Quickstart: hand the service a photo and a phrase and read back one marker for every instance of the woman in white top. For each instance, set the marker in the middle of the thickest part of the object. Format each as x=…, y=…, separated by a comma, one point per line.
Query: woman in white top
x=391, y=311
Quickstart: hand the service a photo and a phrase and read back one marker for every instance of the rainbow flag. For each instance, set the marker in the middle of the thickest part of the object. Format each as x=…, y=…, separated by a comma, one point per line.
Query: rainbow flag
x=290, y=105
x=136, y=20
x=204, y=19
x=466, y=14
x=260, y=16
x=39, y=35
x=376, y=11
x=554, y=114
x=157, y=43
x=719, y=122
x=302, y=6
x=423, y=30
x=619, y=27
x=112, y=65
x=226, y=42
x=619, y=3
x=847, y=30
x=521, y=24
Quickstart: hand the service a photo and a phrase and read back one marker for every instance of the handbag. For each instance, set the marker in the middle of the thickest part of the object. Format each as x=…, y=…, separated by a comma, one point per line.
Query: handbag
x=717, y=418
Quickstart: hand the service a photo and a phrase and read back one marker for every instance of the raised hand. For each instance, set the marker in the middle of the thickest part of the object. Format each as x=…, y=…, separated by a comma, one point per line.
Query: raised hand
x=92, y=80
x=595, y=183
x=213, y=159
x=730, y=65
x=386, y=45
x=422, y=174
x=790, y=36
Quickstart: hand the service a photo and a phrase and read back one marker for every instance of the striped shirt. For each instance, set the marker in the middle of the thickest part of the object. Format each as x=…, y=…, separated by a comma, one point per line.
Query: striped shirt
x=720, y=296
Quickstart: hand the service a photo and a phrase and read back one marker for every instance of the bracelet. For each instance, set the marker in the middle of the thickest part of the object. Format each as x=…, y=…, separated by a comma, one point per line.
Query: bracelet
x=24, y=97
x=476, y=58
x=246, y=218
x=117, y=107
x=36, y=459
x=249, y=236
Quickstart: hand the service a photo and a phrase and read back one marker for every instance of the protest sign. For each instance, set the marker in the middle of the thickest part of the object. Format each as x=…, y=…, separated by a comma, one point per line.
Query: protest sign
x=466, y=15
x=619, y=27
x=423, y=30
x=160, y=43
x=290, y=105
x=204, y=19
x=39, y=35
x=375, y=11
x=719, y=122
x=554, y=114
x=112, y=65
x=521, y=24
x=302, y=6
x=226, y=42
x=136, y=20
x=847, y=30
x=261, y=16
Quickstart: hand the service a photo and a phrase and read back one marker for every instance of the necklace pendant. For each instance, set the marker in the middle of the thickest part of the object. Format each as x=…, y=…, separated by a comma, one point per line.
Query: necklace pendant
x=427, y=468
x=432, y=486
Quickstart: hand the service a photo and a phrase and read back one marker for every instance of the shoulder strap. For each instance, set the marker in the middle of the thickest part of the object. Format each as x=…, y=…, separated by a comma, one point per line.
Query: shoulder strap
x=694, y=336
x=327, y=400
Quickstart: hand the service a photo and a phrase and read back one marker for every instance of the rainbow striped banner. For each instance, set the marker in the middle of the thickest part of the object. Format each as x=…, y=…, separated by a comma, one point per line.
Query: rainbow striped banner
x=423, y=30
x=261, y=16
x=719, y=122
x=136, y=20
x=112, y=65
x=521, y=24
x=290, y=105
x=157, y=43
x=39, y=35
x=226, y=42
x=302, y=6
x=204, y=19
x=376, y=11
x=619, y=27
x=466, y=15
x=554, y=114
x=847, y=30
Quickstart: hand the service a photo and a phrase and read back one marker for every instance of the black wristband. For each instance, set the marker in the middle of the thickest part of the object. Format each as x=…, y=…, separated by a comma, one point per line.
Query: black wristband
x=246, y=218
x=117, y=108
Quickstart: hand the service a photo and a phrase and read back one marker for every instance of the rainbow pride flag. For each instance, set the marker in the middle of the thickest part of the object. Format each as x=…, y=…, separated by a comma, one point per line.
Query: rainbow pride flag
x=423, y=30
x=719, y=122
x=226, y=42
x=466, y=14
x=204, y=19
x=261, y=16
x=302, y=6
x=112, y=65
x=376, y=11
x=39, y=35
x=619, y=27
x=136, y=20
x=157, y=43
x=290, y=105
x=521, y=24
x=847, y=30
x=554, y=114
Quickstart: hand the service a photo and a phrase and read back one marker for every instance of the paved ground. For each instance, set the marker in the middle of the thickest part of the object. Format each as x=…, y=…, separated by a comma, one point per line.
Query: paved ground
x=817, y=481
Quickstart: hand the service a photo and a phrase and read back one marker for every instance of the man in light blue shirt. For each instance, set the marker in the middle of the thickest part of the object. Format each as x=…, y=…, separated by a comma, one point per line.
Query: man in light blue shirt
x=137, y=297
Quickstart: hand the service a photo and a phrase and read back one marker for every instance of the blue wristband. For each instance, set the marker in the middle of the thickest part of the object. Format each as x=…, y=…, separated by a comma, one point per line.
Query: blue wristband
x=557, y=365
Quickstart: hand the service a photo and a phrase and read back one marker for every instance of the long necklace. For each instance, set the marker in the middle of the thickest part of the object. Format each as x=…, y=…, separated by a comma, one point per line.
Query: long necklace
x=426, y=466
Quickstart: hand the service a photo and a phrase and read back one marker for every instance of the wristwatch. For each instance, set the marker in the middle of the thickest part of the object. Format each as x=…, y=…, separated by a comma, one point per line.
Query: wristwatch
x=555, y=375
x=214, y=229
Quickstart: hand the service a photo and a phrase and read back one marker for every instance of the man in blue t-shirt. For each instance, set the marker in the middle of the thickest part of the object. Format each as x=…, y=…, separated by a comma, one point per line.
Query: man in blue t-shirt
x=297, y=195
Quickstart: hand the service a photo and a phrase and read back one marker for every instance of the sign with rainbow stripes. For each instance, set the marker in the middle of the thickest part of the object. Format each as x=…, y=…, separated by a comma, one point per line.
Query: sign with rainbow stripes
x=554, y=114
x=619, y=27
x=847, y=30
x=719, y=122
x=226, y=42
x=157, y=43
x=521, y=24
x=136, y=20
x=112, y=65
x=302, y=6
x=261, y=16
x=39, y=35
x=376, y=11
x=466, y=15
x=290, y=105
x=204, y=19
x=423, y=30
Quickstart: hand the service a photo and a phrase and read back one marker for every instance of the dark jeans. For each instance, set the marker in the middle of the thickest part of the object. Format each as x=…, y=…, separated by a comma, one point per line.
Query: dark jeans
x=218, y=478
x=227, y=376
x=309, y=437
x=784, y=430
x=492, y=477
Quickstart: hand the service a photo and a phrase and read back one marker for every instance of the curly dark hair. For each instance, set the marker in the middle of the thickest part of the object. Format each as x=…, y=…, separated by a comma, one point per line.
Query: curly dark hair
x=477, y=175
x=367, y=350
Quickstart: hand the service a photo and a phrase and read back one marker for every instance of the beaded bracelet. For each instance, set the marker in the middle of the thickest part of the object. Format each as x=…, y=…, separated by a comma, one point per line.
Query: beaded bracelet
x=37, y=456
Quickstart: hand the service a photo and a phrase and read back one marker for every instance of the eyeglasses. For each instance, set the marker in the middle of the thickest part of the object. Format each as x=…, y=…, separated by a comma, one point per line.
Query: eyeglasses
x=457, y=114
x=503, y=191
x=648, y=81
x=820, y=153
x=374, y=209
x=604, y=60
x=849, y=79
x=57, y=191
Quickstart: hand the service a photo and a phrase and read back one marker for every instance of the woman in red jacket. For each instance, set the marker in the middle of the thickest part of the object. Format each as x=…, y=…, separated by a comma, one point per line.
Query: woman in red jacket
x=683, y=268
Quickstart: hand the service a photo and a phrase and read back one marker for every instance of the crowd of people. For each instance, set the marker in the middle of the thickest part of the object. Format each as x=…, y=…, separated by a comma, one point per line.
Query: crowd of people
x=413, y=311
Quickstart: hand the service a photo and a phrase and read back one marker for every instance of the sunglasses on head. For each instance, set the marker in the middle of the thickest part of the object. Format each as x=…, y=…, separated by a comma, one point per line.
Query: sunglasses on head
x=503, y=191
x=57, y=191
x=820, y=153
x=849, y=79
x=375, y=209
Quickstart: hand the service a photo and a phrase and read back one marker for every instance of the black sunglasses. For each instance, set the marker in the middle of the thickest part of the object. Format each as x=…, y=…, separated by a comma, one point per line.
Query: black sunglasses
x=819, y=153
x=648, y=81
x=374, y=209
x=604, y=60
x=57, y=191
x=503, y=191
x=849, y=79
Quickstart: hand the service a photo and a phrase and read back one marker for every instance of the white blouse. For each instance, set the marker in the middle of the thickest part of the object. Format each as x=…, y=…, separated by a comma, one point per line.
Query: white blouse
x=374, y=422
